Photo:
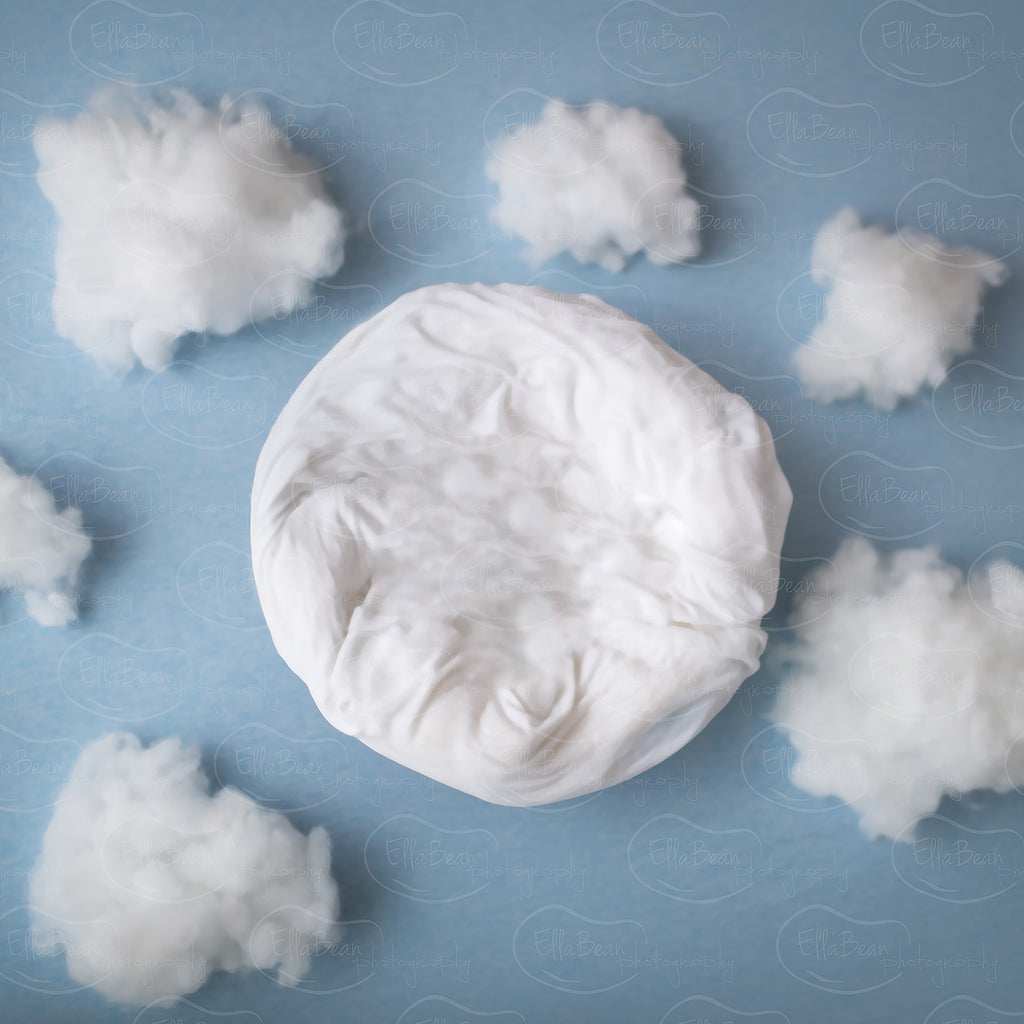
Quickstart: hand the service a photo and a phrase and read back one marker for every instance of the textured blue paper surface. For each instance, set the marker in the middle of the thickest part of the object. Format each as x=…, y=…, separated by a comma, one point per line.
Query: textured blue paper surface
x=709, y=888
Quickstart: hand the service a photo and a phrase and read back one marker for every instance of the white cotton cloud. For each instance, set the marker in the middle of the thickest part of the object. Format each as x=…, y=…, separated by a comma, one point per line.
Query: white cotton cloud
x=901, y=308
x=602, y=182
x=41, y=548
x=148, y=884
x=172, y=217
x=907, y=683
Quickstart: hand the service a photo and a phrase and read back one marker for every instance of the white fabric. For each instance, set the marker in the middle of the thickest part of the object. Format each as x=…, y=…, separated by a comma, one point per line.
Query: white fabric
x=513, y=541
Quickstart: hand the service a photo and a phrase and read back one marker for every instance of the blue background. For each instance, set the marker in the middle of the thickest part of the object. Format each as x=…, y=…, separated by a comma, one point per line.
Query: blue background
x=762, y=904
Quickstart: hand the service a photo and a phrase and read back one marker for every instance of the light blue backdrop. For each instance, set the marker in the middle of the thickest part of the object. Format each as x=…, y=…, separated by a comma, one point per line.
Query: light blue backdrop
x=776, y=907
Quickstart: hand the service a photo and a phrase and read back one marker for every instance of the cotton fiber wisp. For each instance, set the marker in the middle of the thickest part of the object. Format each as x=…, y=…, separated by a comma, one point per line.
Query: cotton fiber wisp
x=41, y=548
x=900, y=310
x=906, y=685
x=172, y=217
x=148, y=884
x=602, y=182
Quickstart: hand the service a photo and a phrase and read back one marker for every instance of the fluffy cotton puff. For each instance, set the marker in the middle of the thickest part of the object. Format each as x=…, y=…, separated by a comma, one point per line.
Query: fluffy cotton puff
x=148, y=883
x=172, y=217
x=901, y=308
x=602, y=182
x=41, y=548
x=906, y=685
